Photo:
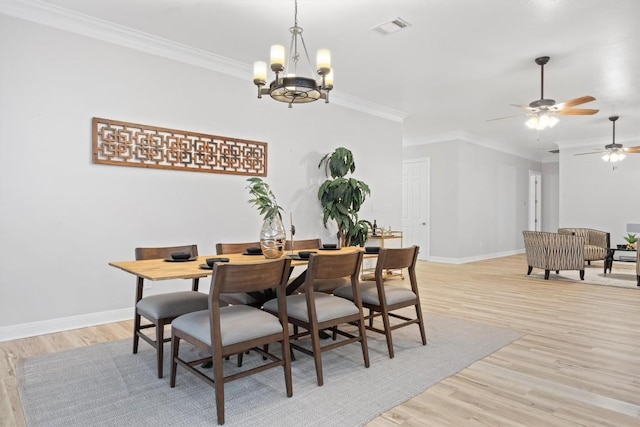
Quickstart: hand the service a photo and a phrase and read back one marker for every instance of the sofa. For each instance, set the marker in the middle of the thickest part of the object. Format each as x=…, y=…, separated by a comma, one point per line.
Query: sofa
x=596, y=242
x=554, y=251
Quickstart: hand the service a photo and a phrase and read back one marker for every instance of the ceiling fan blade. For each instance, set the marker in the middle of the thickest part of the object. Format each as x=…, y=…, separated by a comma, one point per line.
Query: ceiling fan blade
x=577, y=111
x=592, y=152
x=526, y=107
x=633, y=150
x=506, y=117
x=574, y=102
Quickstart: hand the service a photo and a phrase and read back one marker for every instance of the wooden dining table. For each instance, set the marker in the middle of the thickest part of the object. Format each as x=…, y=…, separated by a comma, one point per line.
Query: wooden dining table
x=161, y=269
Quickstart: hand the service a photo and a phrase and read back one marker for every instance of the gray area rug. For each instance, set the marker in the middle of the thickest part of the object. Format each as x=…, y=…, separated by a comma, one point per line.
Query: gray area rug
x=107, y=385
x=620, y=276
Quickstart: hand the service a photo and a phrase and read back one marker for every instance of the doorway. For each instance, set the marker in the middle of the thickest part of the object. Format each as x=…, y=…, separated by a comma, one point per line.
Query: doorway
x=535, y=201
x=415, y=204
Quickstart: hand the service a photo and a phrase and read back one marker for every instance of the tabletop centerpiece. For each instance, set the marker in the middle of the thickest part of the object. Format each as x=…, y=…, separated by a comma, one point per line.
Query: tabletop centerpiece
x=272, y=233
x=631, y=240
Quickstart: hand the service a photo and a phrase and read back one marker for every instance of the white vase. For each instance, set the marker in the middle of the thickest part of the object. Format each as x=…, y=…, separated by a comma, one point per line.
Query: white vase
x=272, y=238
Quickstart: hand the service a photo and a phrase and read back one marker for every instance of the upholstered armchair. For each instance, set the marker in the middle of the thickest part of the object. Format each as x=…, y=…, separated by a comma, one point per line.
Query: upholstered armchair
x=638, y=268
x=552, y=251
x=596, y=242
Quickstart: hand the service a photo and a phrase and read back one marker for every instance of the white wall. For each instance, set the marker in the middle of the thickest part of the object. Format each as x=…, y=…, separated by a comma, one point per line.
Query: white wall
x=478, y=200
x=597, y=194
x=62, y=218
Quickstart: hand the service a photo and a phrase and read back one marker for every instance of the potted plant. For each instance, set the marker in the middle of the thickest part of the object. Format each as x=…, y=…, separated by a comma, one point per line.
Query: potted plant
x=272, y=233
x=342, y=197
x=631, y=240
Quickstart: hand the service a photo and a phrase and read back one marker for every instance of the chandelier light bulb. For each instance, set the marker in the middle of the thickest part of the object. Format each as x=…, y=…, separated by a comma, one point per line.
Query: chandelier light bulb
x=323, y=61
x=328, y=79
x=277, y=58
x=606, y=157
x=260, y=72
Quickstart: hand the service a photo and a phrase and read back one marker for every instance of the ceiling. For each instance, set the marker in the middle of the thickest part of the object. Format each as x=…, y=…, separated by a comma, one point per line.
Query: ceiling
x=458, y=64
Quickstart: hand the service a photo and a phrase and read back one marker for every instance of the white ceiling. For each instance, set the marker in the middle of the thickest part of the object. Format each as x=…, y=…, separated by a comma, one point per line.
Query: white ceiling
x=460, y=62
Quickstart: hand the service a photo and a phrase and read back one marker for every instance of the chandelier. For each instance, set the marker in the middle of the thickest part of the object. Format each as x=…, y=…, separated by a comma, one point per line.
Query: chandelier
x=542, y=120
x=292, y=87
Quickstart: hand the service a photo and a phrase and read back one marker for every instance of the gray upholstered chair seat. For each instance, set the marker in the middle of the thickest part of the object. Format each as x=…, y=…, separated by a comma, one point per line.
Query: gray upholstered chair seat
x=238, y=323
x=329, y=285
x=239, y=298
x=172, y=304
x=369, y=293
x=328, y=307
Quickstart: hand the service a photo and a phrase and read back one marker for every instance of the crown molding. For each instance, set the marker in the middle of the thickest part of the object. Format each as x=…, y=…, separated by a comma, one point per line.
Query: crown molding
x=473, y=139
x=67, y=20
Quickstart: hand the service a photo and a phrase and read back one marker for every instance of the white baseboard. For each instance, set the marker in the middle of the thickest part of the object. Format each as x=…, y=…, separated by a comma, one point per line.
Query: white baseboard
x=482, y=257
x=24, y=330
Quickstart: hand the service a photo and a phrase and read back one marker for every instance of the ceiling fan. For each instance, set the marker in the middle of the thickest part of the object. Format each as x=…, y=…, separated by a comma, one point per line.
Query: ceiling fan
x=614, y=152
x=542, y=111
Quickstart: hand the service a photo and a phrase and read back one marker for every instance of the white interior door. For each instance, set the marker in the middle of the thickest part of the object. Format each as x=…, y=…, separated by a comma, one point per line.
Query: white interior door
x=415, y=204
x=535, y=201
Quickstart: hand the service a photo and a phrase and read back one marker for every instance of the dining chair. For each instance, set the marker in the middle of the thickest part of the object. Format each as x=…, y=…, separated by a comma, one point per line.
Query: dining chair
x=223, y=331
x=239, y=298
x=161, y=309
x=322, y=285
x=315, y=311
x=383, y=298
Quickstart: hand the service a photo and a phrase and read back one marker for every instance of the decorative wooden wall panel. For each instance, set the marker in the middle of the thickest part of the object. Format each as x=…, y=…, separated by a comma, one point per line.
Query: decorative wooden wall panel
x=142, y=146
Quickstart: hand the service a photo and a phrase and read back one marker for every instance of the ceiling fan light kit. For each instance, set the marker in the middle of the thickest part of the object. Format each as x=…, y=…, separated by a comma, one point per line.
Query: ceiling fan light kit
x=541, y=121
x=293, y=88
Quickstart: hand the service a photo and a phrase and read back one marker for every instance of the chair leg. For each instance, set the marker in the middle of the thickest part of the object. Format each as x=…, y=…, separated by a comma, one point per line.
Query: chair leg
x=546, y=275
x=175, y=346
x=219, y=386
x=160, y=345
x=387, y=332
x=136, y=329
x=363, y=342
x=317, y=352
x=529, y=270
x=581, y=274
x=286, y=355
x=423, y=335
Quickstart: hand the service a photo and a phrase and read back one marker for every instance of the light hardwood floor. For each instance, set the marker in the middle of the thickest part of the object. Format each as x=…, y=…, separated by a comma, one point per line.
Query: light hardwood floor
x=578, y=363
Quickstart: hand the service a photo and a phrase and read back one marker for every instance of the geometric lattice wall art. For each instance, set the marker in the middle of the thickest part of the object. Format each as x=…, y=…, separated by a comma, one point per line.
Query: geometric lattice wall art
x=130, y=144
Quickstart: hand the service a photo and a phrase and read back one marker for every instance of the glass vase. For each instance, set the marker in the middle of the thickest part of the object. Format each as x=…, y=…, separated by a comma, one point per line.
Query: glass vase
x=272, y=238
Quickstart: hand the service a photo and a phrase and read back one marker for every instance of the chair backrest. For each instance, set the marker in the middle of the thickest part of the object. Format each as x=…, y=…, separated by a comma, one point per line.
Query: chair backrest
x=303, y=244
x=164, y=252
x=323, y=266
x=396, y=258
x=234, y=248
x=251, y=277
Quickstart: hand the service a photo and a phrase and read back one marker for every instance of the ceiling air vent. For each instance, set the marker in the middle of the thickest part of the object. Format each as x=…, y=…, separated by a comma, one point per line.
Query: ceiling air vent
x=392, y=26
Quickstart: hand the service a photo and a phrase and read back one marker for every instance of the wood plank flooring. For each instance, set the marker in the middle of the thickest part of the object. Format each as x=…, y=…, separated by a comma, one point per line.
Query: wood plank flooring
x=577, y=365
